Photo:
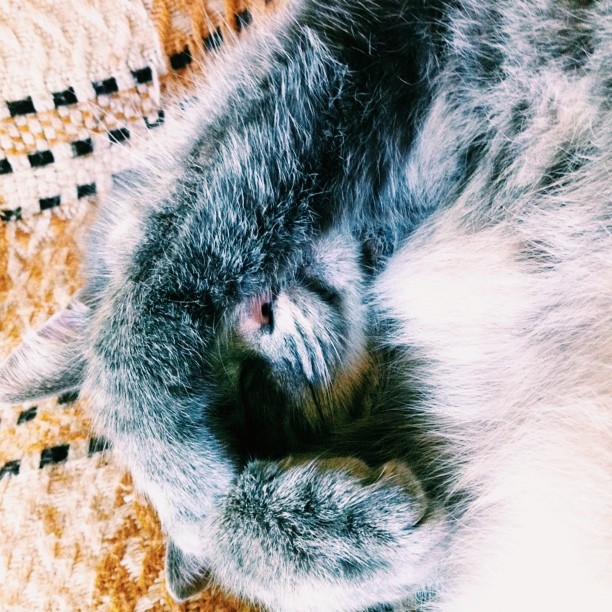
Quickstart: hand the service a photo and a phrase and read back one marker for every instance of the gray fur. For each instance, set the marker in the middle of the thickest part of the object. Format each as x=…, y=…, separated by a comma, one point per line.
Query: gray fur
x=350, y=328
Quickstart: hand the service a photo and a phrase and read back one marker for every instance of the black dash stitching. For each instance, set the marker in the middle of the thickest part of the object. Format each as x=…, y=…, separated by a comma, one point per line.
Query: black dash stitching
x=27, y=415
x=11, y=215
x=180, y=60
x=47, y=203
x=5, y=166
x=86, y=190
x=82, y=147
x=108, y=86
x=243, y=19
x=159, y=121
x=214, y=40
x=143, y=75
x=98, y=445
x=21, y=107
x=54, y=455
x=10, y=468
x=41, y=158
x=69, y=397
x=64, y=98
x=119, y=135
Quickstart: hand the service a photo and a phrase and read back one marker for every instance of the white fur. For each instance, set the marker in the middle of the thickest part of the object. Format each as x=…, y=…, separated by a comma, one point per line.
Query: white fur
x=518, y=366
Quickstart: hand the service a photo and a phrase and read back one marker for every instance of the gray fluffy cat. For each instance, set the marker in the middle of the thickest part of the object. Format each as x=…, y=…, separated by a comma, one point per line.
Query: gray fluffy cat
x=351, y=329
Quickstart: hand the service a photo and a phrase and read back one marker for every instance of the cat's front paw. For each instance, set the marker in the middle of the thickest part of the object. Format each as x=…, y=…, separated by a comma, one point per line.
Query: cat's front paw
x=302, y=534
x=186, y=574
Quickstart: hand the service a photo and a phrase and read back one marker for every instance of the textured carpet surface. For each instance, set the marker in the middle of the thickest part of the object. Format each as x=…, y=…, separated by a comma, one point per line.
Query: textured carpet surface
x=79, y=81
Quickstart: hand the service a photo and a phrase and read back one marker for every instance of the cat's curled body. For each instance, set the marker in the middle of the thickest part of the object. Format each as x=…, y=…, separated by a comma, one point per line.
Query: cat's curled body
x=351, y=330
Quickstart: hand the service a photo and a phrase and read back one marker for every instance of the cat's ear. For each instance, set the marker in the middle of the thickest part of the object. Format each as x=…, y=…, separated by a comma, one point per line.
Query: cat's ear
x=186, y=575
x=50, y=361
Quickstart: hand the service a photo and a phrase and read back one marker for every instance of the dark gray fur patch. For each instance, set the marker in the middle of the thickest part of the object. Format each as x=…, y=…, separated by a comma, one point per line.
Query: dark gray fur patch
x=568, y=160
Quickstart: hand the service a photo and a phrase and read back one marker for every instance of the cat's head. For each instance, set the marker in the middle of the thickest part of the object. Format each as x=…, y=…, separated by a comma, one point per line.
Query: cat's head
x=265, y=340
x=284, y=361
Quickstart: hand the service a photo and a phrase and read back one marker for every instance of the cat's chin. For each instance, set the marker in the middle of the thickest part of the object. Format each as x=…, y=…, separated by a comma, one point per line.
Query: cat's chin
x=283, y=412
x=278, y=409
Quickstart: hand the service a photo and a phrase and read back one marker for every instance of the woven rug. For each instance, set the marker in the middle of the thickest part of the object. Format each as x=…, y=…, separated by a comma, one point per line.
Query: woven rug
x=80, y=81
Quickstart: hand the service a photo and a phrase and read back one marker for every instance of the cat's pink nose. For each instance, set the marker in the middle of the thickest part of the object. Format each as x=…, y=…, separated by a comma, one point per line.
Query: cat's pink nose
x=261, y=310
x=257, y=314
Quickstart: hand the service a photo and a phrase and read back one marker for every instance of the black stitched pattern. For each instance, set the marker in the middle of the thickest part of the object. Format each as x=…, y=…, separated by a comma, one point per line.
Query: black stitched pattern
x=27, y=415
x=64, y=98
x=243, y=20
x=180, y=60
x=21, y=107
x=143, y=75
x=82, y=147
x=40, y=158
x=5, y=166
x=159, y=121
x=108, y=86
x=86, y=190
x=214, y=40
x=69, y=397
x=54, y=455
x=47, y=203
x=10, y=468
x=98, y=445
x=119, y=135
x=11, y=215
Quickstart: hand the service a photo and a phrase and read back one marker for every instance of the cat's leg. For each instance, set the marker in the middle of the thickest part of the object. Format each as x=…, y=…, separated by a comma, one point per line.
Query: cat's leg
x=325, y=534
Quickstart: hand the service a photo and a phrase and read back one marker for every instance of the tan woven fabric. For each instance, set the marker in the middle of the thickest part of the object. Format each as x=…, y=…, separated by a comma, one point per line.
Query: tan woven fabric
x=78, y=80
